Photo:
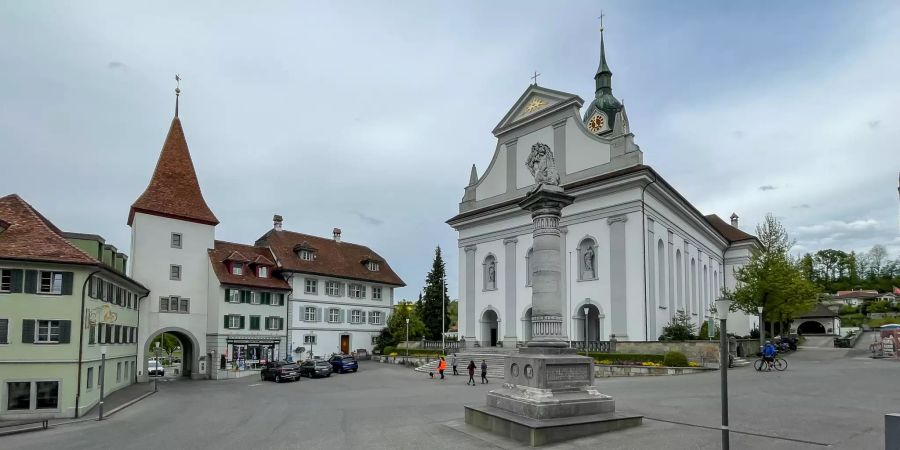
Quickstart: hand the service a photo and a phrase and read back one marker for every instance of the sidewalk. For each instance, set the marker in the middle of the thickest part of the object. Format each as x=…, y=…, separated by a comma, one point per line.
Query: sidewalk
x=112, y=404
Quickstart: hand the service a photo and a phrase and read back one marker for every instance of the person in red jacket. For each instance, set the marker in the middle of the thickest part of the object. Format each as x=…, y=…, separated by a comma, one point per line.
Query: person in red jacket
x=442, y=365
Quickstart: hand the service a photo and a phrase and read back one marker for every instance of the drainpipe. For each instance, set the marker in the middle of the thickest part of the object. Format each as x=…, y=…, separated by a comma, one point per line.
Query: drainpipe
x=644, y=254
x=138, y=307
x=81, y=341
x=287, y=311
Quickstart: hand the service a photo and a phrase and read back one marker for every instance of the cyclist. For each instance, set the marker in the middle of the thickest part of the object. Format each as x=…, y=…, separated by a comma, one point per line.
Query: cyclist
x=768, y=354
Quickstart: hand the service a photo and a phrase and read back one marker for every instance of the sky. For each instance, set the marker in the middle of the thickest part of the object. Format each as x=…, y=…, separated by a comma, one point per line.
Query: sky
x=367, y=115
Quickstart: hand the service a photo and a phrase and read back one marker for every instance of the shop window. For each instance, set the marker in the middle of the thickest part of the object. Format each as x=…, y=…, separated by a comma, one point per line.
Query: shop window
x=18, y=395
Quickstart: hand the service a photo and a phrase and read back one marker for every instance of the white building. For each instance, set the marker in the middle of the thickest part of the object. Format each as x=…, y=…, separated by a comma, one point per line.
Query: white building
x=342, y=294
x=635, y=251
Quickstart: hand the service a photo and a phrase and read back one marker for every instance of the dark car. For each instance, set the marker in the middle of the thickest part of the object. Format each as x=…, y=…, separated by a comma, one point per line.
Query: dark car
x=315, y=368
x=343, y=363
x=279, y=371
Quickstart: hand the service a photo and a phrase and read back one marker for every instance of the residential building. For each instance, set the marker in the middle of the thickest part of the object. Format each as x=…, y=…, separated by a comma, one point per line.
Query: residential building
x=635, y=251
x=64, y=299
x=247, y=310
x=342, y=295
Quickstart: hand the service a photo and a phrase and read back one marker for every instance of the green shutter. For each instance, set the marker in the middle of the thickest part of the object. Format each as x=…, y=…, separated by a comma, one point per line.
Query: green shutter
x=281, y=323
x=254, y=322
x=65, y=331
x=242, y=323
x=31, y=281
x=16, y=280
x=67, y=278
x=245, y=296
x=226, y=321
x=28, y=329
x=266, y=298
x=227, y=295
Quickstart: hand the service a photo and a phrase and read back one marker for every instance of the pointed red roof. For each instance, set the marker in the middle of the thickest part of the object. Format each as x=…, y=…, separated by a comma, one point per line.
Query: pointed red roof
x=173, y=190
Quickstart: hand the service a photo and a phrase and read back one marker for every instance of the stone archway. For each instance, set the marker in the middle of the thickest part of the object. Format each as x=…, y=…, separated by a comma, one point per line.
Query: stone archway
x=589, y=330
x=811, y=327
x=490, y=328
x=189, y=352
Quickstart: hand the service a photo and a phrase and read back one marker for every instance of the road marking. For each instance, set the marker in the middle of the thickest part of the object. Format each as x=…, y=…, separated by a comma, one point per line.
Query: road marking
x=255, y=384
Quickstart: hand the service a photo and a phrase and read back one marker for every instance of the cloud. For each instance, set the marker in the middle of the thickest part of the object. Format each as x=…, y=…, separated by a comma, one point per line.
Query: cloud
x=116, y=65
x=767, y=187
x=801, y=206
x=737, y=134
x=369, y=220
x=874, y=124
x=837, y=228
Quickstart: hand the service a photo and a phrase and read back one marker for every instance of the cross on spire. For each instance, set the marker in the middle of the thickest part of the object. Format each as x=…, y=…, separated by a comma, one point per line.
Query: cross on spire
x=177, y=92
x=601, y=20
x=535, y=77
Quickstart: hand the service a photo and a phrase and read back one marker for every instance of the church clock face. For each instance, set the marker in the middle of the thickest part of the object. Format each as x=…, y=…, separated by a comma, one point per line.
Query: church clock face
x=596, y=123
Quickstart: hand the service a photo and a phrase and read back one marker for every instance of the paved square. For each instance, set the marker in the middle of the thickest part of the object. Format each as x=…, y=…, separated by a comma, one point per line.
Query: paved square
x=827, y=397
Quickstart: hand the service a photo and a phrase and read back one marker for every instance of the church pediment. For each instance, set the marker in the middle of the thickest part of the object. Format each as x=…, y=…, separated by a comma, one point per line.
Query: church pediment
x=535, y=102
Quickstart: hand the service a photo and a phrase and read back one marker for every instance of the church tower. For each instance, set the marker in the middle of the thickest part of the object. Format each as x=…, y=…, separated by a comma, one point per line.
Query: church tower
x=605, y=114
x=172, y=228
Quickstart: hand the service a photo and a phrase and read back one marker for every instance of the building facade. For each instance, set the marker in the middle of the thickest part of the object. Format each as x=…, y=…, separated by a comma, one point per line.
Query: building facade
x=635, y=252
x=64, y=299
x=342, y=293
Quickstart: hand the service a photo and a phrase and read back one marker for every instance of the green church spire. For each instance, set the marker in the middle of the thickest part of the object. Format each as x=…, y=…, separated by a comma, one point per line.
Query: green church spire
x=603, y=78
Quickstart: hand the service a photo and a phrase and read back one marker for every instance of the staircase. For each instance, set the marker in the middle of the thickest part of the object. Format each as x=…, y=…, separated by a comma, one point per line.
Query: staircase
x=740, y=362
x=495, y=359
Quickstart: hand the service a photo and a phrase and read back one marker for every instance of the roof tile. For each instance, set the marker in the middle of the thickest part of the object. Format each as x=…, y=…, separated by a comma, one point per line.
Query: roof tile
x=30, y=236
x=222, y=252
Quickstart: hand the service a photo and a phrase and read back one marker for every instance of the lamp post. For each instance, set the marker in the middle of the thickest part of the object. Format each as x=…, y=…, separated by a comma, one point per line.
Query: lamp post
x=499, y=341
x=158, y=362
x=722, y=307
x=103, y=349
x=762, y=329
x=586, y=310
x=407, y=340
x=312, y=344
x=443, y=316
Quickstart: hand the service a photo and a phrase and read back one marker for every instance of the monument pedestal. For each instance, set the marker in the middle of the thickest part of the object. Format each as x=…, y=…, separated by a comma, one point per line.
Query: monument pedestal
x=548, y=397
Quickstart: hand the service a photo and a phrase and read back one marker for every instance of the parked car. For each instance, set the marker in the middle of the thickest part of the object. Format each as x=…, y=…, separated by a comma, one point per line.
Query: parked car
x=315, y=368
x=279, y=371
x=343, y=363
x=155, y=369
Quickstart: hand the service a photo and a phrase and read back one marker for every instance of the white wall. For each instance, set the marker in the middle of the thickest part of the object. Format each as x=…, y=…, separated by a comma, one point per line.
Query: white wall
x=493, y=181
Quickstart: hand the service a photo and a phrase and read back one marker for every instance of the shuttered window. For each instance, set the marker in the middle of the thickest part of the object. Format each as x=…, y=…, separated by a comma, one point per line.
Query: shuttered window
x=55, y=283
x=4, y=331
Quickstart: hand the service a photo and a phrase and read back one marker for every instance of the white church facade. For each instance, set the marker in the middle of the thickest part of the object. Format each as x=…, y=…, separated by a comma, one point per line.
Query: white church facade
x=634, y=250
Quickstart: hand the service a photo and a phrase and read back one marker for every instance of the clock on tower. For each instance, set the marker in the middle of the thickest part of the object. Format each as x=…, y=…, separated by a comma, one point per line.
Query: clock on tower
x=596, y=123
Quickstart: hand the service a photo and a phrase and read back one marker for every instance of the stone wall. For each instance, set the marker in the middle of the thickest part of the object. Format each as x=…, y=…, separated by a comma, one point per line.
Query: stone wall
x=704, y=353
x=603, y=371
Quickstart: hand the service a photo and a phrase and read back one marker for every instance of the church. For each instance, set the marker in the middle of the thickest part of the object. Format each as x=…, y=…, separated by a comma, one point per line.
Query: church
x=634, y=251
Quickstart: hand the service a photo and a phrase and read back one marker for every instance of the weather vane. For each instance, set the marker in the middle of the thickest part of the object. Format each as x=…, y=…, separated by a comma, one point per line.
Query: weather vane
x=535, y=77
x=177, y=92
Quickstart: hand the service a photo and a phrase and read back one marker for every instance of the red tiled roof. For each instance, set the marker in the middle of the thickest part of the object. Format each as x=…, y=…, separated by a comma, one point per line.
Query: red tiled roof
x=335, y=259
x=173, y=190
x=236, y=256
x=30, y=236
x=222, y=250
x=726, y=230
x=856, y=294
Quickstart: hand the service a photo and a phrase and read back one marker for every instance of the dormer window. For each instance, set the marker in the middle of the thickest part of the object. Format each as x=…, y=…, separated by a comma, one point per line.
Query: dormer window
x=372, y=266
x=237, y=269
x=262, y=272
x=307, y=255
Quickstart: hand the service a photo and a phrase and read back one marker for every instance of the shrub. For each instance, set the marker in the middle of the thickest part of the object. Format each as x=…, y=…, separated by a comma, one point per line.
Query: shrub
x=680, y=328
x=675, y=359
x=388, y=350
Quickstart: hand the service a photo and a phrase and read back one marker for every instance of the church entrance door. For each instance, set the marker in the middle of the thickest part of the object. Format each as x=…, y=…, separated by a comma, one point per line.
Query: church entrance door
x=490, y=327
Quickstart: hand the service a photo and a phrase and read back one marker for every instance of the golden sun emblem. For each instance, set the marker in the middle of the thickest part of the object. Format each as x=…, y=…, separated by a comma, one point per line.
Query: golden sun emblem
x=596, y=123
x=535, y=105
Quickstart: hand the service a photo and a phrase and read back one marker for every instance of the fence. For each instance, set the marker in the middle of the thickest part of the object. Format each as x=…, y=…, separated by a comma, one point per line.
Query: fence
x=436, y=345
x=595, y=346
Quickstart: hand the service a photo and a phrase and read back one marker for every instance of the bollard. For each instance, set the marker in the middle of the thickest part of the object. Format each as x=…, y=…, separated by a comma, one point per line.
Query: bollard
x=892, y=432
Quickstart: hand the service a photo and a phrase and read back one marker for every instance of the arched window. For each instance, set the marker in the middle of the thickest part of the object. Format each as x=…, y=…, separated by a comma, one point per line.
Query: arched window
x=529, y=270
x=661, y=273
x=679, y=279
x=490, y=273
x=587, y=259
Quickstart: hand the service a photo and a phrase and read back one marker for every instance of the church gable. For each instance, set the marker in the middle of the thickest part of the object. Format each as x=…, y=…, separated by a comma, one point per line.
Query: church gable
x=535, y=102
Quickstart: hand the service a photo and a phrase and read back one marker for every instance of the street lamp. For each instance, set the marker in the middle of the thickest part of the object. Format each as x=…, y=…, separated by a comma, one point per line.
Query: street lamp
x=586, y=310
x=498, y=331
x=103, y=350
x=762, y=329
x=312, y=343
x=407, y=340
x=722, y=307
x=159, y=364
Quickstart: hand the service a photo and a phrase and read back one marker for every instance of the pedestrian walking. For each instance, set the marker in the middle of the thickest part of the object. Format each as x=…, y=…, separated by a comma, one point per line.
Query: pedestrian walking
x=484, y=379
x=471, y=368
x=442, y=366
x=453, y=363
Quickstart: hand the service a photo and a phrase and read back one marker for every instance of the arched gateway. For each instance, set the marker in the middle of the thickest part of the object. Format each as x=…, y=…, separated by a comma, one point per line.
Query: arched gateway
x=190, y=357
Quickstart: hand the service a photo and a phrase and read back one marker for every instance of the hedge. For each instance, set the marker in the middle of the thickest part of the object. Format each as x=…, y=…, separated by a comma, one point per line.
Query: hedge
x=412, y=352
x=627, y=357
x=675, y=359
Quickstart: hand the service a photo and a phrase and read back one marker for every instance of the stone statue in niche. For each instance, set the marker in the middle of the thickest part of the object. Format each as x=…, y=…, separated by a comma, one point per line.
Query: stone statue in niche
x=542, y=165
x=589, y=262
x=492, y=274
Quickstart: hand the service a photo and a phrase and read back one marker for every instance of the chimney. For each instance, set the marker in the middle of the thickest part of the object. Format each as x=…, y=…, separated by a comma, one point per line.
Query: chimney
x=734, y=220
x=277, y=222
x=337, y=235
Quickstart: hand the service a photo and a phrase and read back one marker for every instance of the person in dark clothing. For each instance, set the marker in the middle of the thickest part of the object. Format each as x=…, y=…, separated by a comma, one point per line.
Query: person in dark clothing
x=484, y=379
x=471, y=368
x=453, y=363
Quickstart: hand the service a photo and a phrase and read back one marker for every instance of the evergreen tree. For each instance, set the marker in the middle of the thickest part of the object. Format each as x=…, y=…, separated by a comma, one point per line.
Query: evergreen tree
x=435, y=294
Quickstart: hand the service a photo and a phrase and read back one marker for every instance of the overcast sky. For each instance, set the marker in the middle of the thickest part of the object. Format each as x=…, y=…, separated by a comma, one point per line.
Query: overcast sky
x=368, y=115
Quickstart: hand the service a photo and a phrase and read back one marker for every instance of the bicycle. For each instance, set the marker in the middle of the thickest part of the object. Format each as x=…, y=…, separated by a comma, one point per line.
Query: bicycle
x=777, y=364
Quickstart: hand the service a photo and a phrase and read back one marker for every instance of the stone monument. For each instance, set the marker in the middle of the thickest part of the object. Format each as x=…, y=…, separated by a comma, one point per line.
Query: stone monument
x=549, y=394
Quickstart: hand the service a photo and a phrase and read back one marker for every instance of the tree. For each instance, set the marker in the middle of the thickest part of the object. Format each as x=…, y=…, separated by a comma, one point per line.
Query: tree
x=771, y=279
x=169, y=344
x=680, y=328
x=434, y=299
x=397, y=323
x=453, y=312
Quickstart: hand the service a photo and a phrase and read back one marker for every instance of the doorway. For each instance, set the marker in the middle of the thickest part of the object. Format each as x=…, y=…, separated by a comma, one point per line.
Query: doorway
x=490, y=328
x=345, y=344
